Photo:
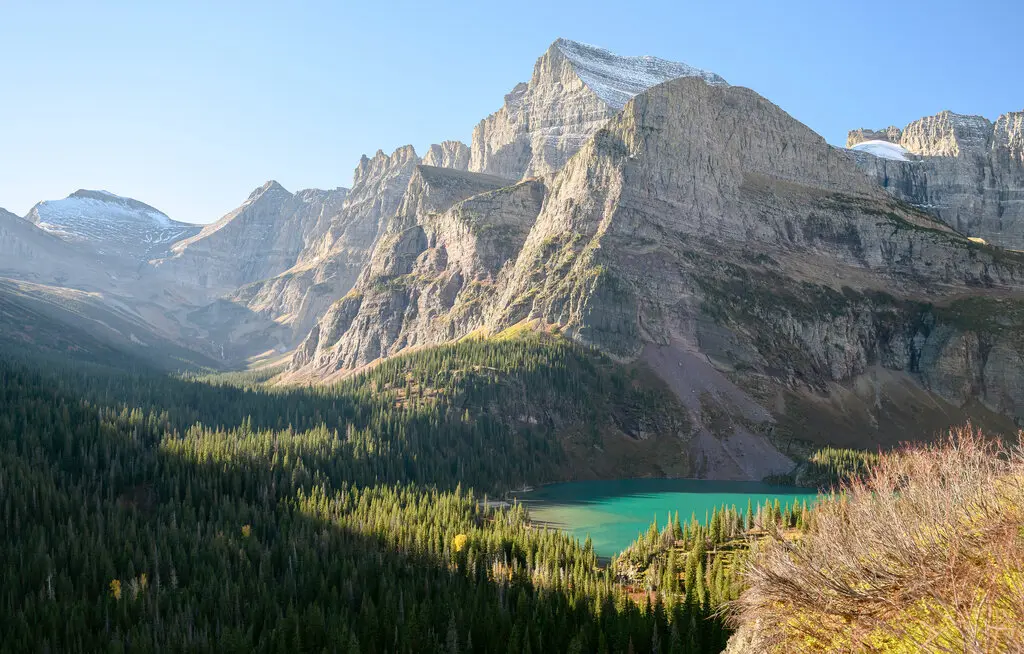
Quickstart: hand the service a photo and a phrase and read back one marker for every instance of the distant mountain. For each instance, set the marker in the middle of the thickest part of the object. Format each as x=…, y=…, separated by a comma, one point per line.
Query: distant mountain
x=72, y=324
x=965, y=170
x=110, y=223
x=260, y=239
x=337, y=251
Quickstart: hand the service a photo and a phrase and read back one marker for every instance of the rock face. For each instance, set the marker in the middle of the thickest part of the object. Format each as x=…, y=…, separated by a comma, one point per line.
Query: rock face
x=436, y=264
x=449, y=154
x=890, y=134
x=706, y=232
x=259, y=239
x=574, y=90
x=327, y=267
x=965, y=170
x=110, y=224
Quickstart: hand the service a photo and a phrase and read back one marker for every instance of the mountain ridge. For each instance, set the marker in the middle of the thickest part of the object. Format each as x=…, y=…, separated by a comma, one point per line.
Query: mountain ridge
x=966, y=170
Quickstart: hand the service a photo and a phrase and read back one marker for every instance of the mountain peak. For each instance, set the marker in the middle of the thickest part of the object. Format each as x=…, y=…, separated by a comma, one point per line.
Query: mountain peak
x=87, y=197
x=448, y=154
x=96, y=195
x=575, y=88
x=617, y=79
x=271, y=186
x=402, y=157
x=111, y=223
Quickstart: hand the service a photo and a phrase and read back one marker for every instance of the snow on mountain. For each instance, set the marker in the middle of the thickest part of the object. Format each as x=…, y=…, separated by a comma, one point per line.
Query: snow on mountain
x=110, y=223
x=616, y=79
x=883, y=149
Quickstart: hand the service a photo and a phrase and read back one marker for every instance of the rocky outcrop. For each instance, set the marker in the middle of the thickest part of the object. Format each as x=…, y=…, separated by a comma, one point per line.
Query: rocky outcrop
x=890, y=134
x=448, y=154
x=747, y=640
x=261, y=238
x=110, y=224
x=432, y=270
x=328, y=266
x=574, y=90
x=965, y=170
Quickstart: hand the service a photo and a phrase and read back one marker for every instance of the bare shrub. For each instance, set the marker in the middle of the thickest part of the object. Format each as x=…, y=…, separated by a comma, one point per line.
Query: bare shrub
x=924, y=554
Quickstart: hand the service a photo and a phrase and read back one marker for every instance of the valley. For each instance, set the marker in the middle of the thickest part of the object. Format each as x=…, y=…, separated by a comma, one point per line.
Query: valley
x=639, y=290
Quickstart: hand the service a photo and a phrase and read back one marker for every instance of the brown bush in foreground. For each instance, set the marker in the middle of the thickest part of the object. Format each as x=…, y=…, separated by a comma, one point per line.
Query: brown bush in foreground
x=926, y=554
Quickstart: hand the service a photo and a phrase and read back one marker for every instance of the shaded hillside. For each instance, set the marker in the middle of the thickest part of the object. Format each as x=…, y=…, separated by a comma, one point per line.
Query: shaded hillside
x=61, y=322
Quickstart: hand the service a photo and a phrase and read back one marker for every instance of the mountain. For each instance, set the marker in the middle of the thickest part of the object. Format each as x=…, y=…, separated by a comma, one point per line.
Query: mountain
x=707, y=234
x=62, y=324
x=111, y=224
x=574, y=90
x=328, y=266
x=261, y=238
x=966, y=170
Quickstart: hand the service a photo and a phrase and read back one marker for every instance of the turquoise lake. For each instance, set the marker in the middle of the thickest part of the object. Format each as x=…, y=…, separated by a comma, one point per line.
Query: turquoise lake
x=614, y=512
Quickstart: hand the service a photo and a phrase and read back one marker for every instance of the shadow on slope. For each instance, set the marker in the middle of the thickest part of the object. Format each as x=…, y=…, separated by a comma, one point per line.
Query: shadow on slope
x=121, y=534
x=65, y=322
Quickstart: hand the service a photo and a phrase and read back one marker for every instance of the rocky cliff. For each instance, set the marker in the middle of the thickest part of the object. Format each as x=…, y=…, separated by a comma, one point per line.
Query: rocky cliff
x=574, y=90
x=328, y=266
x=708, y=233
x=434, y=267
x=965, y=170
x=448, y=154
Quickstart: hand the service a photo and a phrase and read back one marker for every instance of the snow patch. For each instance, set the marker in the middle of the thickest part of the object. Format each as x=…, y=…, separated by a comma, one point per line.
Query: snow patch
x=616, y=80
x=109, y=222
x=883, y=149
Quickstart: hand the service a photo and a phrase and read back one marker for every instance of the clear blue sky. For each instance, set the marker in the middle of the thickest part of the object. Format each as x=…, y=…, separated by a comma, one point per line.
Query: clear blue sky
x=189, y=106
